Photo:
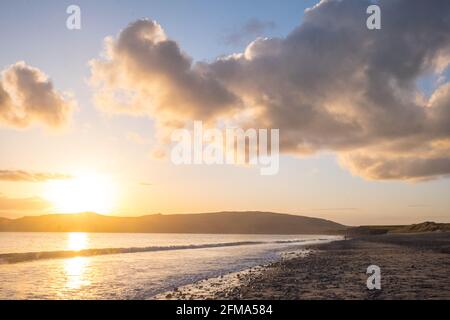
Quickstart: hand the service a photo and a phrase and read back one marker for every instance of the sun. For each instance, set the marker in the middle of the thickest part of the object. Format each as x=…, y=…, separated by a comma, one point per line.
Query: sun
x=89, y=192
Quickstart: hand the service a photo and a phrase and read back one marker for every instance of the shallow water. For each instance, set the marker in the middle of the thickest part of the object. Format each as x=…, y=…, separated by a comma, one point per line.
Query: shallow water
x=157, y=263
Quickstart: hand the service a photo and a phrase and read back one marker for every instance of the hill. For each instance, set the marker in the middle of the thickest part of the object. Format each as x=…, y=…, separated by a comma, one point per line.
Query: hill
x=424, y=227
x=215, y=223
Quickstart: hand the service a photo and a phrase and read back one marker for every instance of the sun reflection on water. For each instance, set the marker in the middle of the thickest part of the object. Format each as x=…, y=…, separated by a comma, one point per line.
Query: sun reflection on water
x=75, y=269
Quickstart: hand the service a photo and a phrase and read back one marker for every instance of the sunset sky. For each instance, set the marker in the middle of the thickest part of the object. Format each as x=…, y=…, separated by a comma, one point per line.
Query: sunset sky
x=364, y=116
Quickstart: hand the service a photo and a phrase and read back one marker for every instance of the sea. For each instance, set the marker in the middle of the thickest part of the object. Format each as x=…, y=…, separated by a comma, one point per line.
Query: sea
x=79, y=265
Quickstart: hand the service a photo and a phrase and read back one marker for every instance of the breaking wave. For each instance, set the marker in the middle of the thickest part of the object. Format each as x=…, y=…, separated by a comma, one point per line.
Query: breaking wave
x=29, y=256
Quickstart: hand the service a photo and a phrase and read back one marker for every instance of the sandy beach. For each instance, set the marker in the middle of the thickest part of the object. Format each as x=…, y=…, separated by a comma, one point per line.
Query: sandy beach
x=413, y=266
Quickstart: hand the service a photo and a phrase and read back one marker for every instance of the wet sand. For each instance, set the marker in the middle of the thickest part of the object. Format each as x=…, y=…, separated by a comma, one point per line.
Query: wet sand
x=413, y=266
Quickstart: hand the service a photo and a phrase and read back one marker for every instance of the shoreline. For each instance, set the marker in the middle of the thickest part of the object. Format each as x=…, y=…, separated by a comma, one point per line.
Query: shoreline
x=220, y=287
x=413, y=266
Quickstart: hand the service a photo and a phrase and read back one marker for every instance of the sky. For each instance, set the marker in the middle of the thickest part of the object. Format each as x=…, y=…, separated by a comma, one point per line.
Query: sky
x=342, y=158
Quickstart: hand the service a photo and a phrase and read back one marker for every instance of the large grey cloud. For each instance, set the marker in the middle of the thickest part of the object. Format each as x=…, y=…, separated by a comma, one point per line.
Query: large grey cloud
x=27, y=97
x=330, y=85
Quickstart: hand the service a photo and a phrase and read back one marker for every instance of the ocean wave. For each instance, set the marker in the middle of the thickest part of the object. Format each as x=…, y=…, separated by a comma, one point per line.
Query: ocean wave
x=7, y=258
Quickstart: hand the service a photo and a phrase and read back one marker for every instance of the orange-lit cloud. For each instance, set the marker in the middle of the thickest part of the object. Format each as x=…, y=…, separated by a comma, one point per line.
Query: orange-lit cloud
x=147, y=73
x=26, y=176
x=136, y=138
x=330, y=85
x=27, y=97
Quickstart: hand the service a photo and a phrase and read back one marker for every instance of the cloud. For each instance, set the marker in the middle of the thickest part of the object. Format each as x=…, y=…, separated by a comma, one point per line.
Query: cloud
x=27, y=97
x=251, y=29
x=387, y=167
x=146, y=73
x=25, y=176
x=23, y=204
x=331, y=85
x=136, y=138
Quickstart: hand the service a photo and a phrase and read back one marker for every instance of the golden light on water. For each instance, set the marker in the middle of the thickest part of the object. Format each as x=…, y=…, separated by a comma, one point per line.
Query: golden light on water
x=75, y=269
x=91, y=192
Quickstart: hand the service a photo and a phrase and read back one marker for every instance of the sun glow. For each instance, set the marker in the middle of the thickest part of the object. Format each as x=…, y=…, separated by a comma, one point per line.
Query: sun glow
x=77, y=241
x=91, y=192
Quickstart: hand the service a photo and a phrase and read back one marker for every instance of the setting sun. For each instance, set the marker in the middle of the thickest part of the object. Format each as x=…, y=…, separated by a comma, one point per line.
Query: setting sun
x=91, y=192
